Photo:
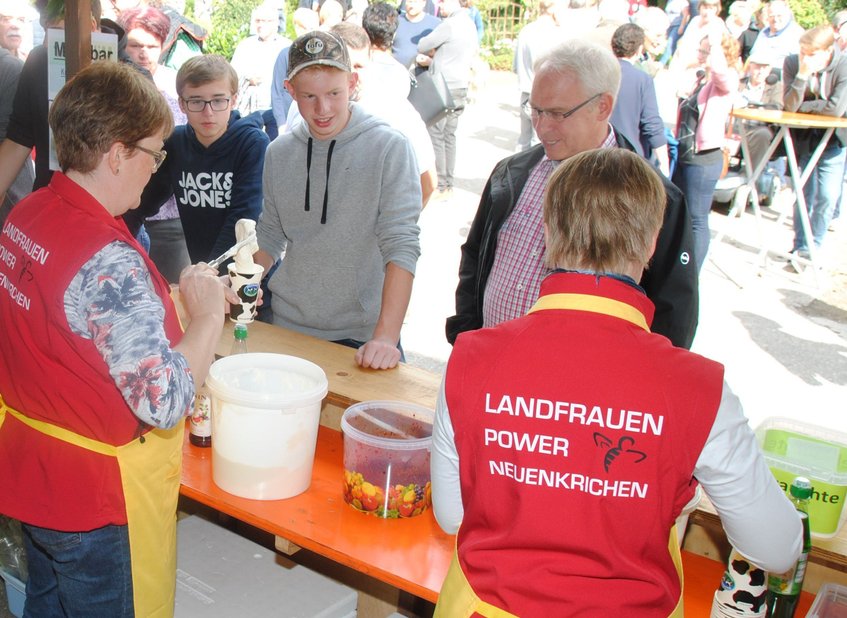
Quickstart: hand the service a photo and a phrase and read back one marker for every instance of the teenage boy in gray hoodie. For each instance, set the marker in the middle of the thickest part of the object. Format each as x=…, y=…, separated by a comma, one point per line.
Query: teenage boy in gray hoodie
x=341, y=198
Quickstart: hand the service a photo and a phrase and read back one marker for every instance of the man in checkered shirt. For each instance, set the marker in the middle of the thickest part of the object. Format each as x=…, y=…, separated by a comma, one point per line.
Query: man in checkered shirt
x=502, y=265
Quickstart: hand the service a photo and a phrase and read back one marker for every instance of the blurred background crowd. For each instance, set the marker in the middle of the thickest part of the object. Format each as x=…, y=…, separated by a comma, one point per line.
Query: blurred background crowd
x=714, y=57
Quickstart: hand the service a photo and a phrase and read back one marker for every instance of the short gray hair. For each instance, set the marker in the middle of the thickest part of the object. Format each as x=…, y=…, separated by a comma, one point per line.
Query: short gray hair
x=593, y=66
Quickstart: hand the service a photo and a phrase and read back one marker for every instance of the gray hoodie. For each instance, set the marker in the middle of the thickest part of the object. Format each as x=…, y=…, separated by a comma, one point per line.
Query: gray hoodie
x=341, y=210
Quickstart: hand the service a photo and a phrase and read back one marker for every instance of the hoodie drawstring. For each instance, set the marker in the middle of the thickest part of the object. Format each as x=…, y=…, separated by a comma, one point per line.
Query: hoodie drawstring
x=326, y=187
x=308, y=179
x=308, y=168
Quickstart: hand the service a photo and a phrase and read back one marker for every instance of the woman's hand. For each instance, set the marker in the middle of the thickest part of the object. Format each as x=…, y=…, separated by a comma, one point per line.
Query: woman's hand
x=205, y=298
x=203, y=292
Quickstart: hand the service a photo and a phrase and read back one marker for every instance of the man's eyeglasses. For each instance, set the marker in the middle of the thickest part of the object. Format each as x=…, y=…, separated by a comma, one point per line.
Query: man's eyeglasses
x=158, y=156
x=198, y=105
x=537, y=114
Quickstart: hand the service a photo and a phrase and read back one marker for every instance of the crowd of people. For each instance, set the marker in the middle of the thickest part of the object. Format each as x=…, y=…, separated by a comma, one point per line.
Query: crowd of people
x=589, y=238
x=703, y=65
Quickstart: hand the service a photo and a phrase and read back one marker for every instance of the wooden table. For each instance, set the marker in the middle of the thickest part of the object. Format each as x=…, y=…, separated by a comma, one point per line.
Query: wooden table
x=348, y=383
x=412, y=554
x=785, y=121
x=409, y=554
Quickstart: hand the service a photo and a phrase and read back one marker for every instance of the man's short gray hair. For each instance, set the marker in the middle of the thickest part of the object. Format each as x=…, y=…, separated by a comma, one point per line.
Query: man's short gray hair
x=593, y=66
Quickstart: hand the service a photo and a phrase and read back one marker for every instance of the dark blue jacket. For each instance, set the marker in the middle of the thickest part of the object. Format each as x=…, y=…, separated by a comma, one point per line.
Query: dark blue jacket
x=636, y=112
x=215, y=186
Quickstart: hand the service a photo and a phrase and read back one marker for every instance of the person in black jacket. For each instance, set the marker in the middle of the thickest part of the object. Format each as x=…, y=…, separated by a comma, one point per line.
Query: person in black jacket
x=502, y=262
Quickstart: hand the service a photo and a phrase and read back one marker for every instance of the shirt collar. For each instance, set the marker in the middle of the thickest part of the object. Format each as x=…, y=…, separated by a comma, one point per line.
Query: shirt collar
x=617, y=277
x=770, y=33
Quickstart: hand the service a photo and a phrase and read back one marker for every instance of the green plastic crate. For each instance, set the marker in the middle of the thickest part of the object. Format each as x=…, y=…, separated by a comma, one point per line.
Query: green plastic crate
x=794, y=448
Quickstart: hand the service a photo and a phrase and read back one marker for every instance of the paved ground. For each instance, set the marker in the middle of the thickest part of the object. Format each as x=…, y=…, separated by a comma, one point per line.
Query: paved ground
x=782, y=338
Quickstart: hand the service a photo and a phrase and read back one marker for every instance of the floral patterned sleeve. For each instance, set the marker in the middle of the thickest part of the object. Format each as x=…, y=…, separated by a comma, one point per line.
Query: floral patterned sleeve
x=111, y=301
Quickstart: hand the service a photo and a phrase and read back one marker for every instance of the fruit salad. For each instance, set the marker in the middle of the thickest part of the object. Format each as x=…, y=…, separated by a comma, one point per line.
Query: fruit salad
x=401, y=501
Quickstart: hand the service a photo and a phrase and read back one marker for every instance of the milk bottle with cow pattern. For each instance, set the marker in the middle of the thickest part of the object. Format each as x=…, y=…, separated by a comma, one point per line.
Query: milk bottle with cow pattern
x=743, y=590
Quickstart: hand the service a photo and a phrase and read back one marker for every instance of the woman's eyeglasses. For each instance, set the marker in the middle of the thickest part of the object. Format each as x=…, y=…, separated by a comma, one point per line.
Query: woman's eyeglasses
x=158, y=156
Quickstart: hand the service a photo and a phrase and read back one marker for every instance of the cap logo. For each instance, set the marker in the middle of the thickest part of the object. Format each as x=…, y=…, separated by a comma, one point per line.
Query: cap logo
x=314, y=46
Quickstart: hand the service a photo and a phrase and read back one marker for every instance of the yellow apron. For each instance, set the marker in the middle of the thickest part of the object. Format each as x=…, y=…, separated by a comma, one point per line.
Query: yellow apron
x=150, y=475
x=457, y=599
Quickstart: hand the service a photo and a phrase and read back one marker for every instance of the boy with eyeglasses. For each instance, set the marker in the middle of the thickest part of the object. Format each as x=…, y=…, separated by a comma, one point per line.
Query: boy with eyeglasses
x=214, y=163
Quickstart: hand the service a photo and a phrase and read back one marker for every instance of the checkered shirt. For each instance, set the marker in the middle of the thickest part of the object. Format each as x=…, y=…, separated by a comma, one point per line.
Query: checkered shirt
x=515, y=279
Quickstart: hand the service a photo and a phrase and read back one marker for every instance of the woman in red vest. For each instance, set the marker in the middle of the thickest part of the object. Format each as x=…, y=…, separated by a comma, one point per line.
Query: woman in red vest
x=567, y=454
x=96, y=375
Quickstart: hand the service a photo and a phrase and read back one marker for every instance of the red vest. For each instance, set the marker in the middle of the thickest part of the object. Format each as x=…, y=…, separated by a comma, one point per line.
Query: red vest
x=577, y=435
x=49, y=373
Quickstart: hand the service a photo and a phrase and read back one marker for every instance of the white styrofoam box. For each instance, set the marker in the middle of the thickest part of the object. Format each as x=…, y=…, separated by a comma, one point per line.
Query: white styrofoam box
x=15, y=594
x=221, y=574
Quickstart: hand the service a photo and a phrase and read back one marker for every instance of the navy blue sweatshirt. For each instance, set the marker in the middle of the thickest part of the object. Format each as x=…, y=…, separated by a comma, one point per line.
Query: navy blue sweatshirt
x=215, y=186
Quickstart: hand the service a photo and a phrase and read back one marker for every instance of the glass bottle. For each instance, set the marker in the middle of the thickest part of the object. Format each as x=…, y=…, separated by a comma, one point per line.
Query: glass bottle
x=200, y=423
x=239, y=340
x=784, y=588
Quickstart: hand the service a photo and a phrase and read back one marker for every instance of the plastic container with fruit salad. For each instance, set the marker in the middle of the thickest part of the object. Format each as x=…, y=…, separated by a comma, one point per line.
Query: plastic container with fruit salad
x=386, y=458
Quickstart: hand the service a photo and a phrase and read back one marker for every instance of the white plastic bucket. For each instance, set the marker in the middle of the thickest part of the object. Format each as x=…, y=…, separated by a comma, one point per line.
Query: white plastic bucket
x=265, y=415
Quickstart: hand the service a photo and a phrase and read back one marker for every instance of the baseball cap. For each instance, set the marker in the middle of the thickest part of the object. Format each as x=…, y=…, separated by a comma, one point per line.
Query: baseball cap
x=317, y=47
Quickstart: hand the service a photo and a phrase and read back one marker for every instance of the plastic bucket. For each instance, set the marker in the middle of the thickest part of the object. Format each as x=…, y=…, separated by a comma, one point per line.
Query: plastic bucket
x=15, y=594
x=265, y=416
x=386, y=458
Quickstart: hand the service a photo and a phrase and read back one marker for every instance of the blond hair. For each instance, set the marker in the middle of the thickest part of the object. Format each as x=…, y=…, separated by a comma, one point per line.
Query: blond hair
x=204, y=69
x=603, y=209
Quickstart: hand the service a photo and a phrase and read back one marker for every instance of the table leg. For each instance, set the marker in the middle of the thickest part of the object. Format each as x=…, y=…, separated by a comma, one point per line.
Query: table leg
x=800, y=178
x=748, y=190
